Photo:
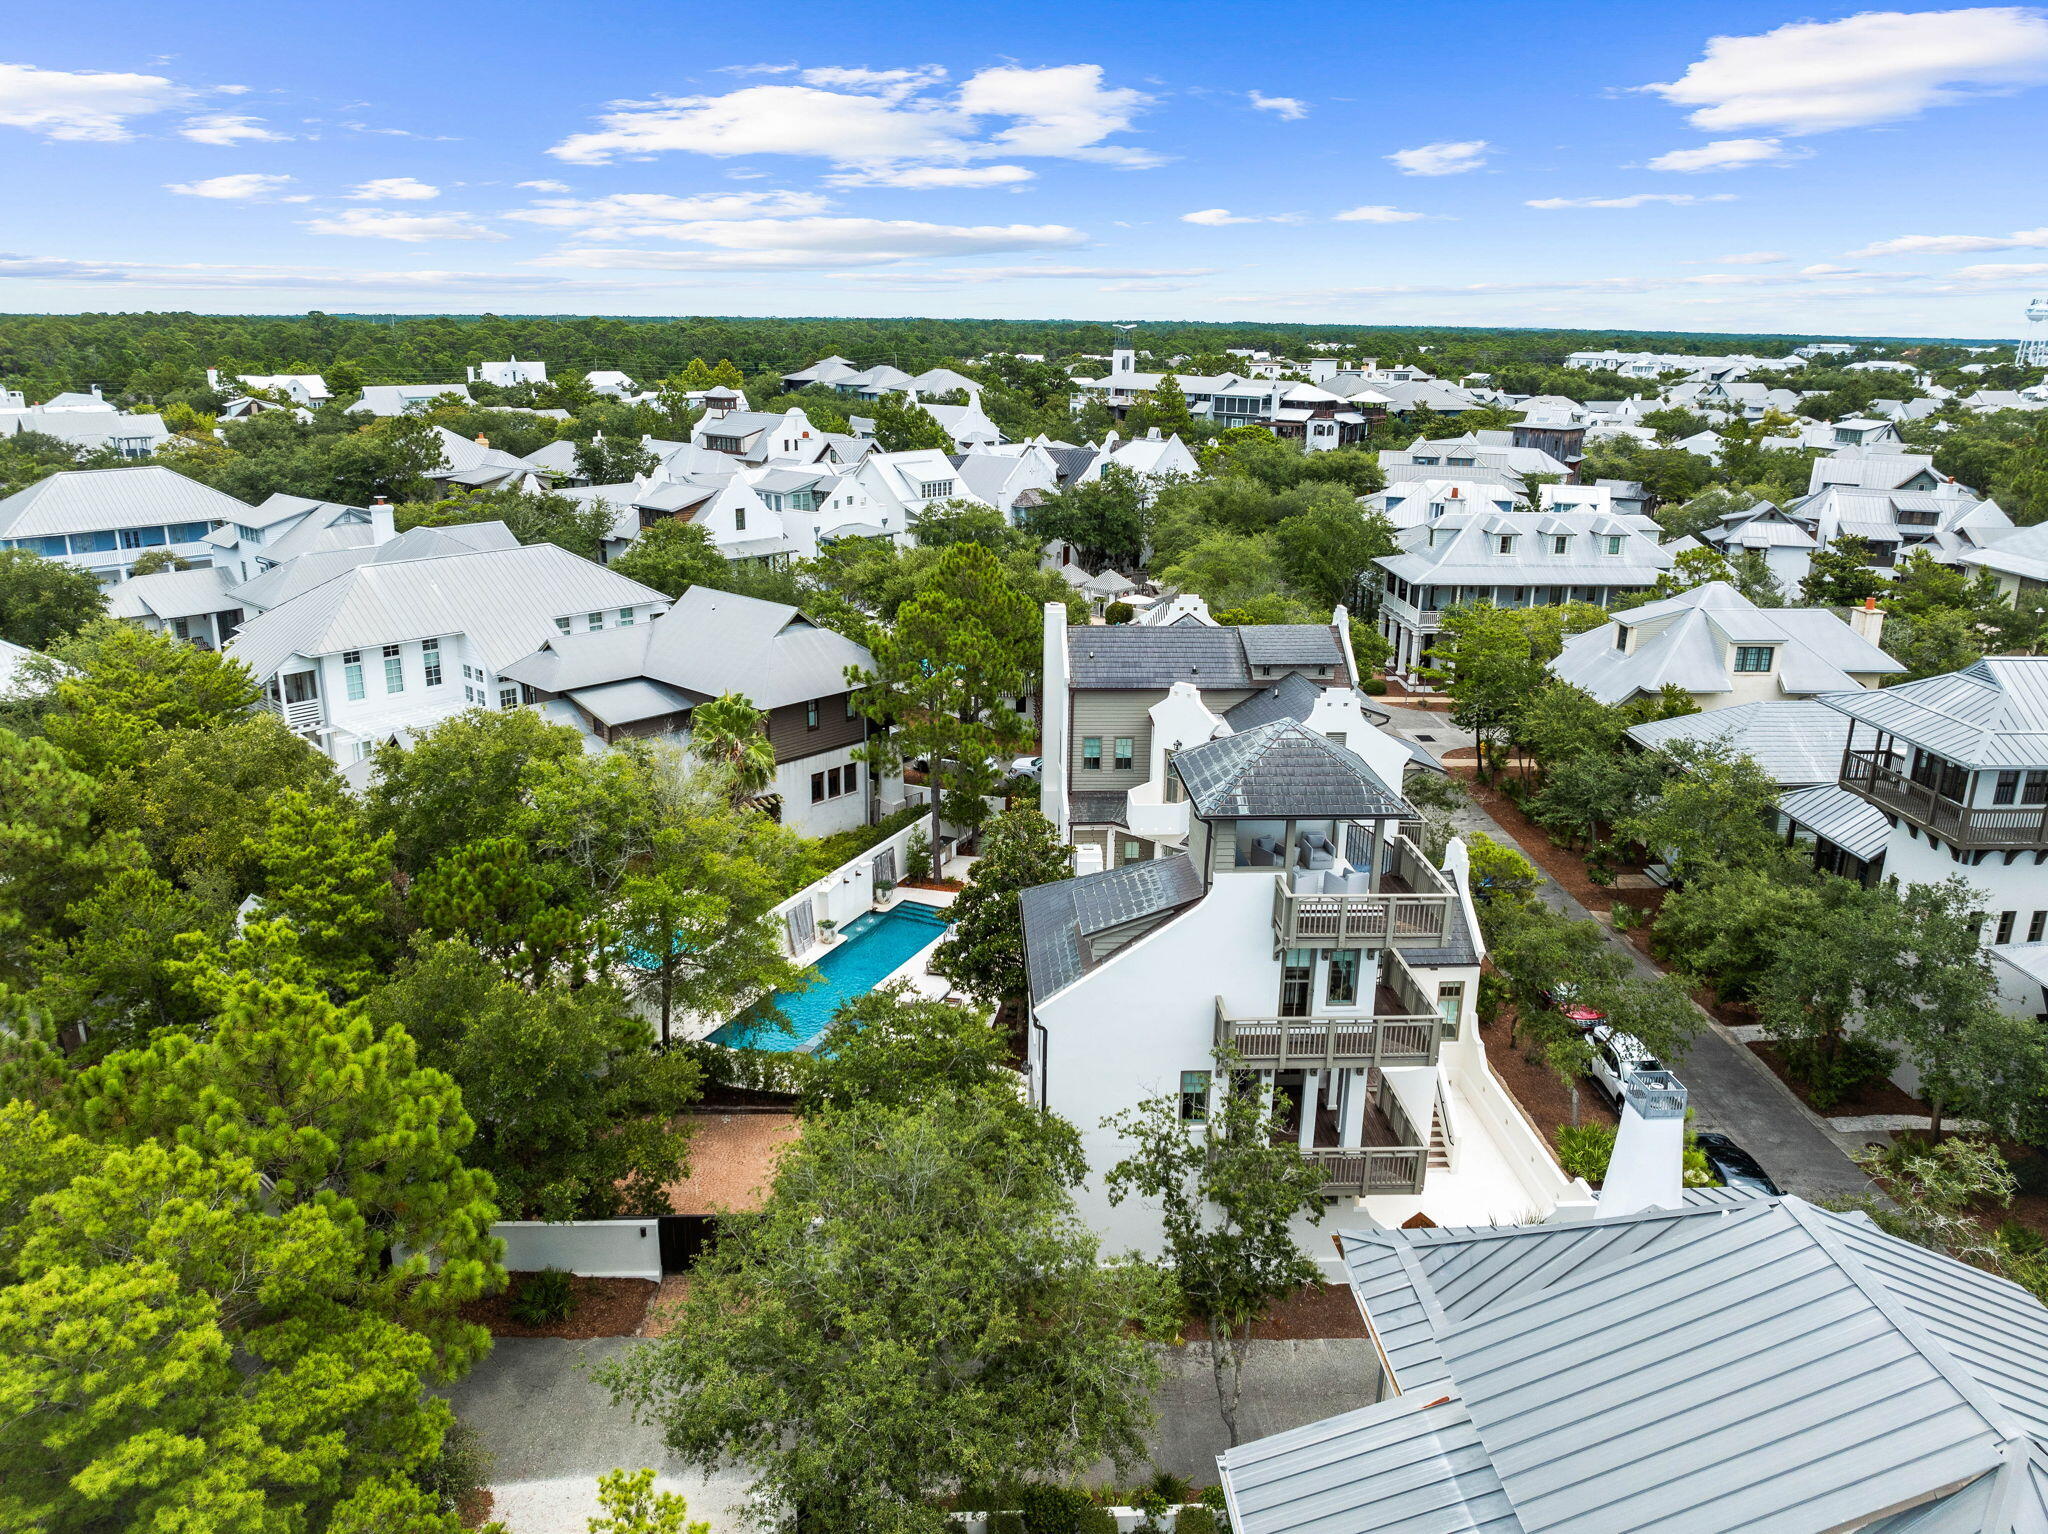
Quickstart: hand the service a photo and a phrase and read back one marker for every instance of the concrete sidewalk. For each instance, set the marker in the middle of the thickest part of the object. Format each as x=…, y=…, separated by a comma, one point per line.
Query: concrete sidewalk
x=553, y=1429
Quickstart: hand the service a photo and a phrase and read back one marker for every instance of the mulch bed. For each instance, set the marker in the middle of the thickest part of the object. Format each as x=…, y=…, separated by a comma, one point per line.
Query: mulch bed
x=1536, y=1086
x=1564, y=867
x=605, y=1307
x=1878, y=1097
x=1313, y=1311
x=931, y=884
x=475, y=1509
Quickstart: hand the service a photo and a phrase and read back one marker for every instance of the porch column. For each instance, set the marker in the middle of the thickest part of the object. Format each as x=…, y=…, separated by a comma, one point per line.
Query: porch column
x=1311, y=1094
x=1353, y=1109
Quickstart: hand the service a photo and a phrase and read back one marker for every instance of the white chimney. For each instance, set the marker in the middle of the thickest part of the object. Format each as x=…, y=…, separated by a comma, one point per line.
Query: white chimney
x=1123, y=360
x=1868, y=621
x=213, y=379
x=1647, y=1169
x=382, y=528
x=95, y=391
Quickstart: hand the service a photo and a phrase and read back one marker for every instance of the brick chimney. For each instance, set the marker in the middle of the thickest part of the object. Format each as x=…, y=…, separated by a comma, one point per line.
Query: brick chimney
x=482, y=440
x=1868, y=620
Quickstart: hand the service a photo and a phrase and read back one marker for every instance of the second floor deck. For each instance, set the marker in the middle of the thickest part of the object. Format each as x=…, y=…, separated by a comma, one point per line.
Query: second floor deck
x=1943, y=806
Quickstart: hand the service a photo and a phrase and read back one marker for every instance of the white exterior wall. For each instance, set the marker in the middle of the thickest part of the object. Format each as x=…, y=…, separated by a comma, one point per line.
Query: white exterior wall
x=586, y=1248
x=2020, y=886
x=793, y=782
x=1053, y=713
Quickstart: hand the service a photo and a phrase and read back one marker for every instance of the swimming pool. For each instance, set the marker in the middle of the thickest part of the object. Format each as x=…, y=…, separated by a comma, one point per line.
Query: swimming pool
x=872, y=945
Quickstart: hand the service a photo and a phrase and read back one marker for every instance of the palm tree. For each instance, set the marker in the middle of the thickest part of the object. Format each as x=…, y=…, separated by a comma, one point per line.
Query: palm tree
x=729, y=733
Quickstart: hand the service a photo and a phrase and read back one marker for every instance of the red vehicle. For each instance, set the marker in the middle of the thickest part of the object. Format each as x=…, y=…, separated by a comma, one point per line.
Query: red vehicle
x=1565, y=999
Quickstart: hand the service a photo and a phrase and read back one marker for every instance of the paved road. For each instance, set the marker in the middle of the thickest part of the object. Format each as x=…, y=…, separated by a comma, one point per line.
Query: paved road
x=1732, y=1091
x=553, y=1430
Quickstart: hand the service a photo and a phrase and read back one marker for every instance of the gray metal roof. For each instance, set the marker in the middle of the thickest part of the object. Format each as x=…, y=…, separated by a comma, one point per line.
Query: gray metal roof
x=1099, y=807
x=1991, y=714
x=1796, y=740
x=292, y=577
x=708, y=643
x=614, y=703
x=1831, y=812
x=1294, y=696
x=1745, y=1364
x=504, y=601
x=1405, y=1466
x=1057, y=917
x=171, y=594
x=91, y=500
x=1279, y=770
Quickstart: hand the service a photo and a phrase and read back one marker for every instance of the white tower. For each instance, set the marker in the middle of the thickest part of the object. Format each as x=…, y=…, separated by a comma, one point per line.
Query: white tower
x=2032, y=352
x=1647, y=1167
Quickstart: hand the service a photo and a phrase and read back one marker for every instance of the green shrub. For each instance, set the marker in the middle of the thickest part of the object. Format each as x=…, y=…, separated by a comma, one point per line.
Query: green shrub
x=1213, y=1499
x=2021, y=1241
x=1176, y=1489
x=917, y=857
x=458, y=1472
x=1583, y=1150
x=543, y=1298
x=1625, y=916
x=1005, y=1522
x=1095, y=1520
x=1052, y=1509
x=1373, y=687
x=1195, y=1520
x=1858, y=1063
x=1119, y=612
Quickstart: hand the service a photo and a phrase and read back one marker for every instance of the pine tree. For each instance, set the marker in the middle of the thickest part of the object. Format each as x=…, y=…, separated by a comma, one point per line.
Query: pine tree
x=1167, y=408
x=324, y=874
x=902, y=425
x=492, y=893
x=728, y=375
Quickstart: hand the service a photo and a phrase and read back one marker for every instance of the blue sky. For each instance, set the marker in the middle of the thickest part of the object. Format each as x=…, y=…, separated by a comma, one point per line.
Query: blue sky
x=1724, y=166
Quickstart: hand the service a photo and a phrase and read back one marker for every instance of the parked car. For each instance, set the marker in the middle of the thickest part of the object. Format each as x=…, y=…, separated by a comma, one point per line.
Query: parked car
x=1616, y=1057
x=1735, y=1166
x=1564, y=997
x=1032, y=767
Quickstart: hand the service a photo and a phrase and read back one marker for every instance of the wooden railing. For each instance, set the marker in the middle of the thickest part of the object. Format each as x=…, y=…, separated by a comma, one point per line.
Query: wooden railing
x=1877, y=775
x=1358, y=1172
x=1379, y=921
x=300, y=716
x=1329, y=1043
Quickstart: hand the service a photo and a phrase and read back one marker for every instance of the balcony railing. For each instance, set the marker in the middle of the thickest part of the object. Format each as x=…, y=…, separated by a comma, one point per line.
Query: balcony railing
x=1418, y=916
x=1329, y=1043
x=1358, y=1172
x=1878, y=776
x=300, y=716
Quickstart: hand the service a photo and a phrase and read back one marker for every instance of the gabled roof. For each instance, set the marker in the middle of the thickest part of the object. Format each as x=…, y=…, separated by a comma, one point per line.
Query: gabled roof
x=1992, y=714
x=1795, y=740
x=1279, y=770
x=1294, y=696
x=1140, y=656
x=91, y=500
x=1740, y=1364
x=505, y=601
x=1059, y=918
x=171, y=594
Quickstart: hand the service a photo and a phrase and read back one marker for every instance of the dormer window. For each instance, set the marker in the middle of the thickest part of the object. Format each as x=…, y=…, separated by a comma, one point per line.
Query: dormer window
x=1614, y=542
x=1504, y=543
x=1753, y=657
x=1560, y=543
x=1621, y=636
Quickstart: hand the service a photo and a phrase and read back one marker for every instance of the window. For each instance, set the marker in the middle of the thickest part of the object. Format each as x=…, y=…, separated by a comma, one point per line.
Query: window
x=1297, y=979
x=182, y=627
x=469, y=694
x=625, y=617
x=2005, y=921
x=508, y=698
x=81, y=543
x=1621, y=636
x=394, y=669
x=851, y=772
x=185, y=532
x=1450, y=999
x=141, y=537
x=2036, y=790
x=933, y=489
x=1194, y=1096
x=595, y=621
x=562, y=624
x=2037, y=927
x=1614, y=542
x=1123, y=753
x=1091, y=753
x=1504, y=544
x=811, y=714
x=1753, y=657
x=739, y=519
x=817, y=787
x=2006, y=789
x=352, y=674
x=247, y=533
x=1560, y=544
x=1343, y=986
x=430, y=653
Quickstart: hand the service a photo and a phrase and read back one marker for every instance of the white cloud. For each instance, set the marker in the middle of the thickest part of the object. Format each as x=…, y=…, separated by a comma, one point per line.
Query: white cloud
x=437, y=138
x=394, y=189
x=889, y=82
x=1061, y=112
x=384, y=224
x=1725, y=154
x=1292, y=108
x=1753, y=258
x=229, y=128
x=1632, y=200
x=545, y=186
x=211, y=276
x=1215, y=217
x=769, y=244
x=1451, y=158
x=243, y=188
x=1996, y=271
x=920, y=178
x=626, y=215
x=1879, y=66
x=1955, y=244
x=1376, y=213
x=88, y=106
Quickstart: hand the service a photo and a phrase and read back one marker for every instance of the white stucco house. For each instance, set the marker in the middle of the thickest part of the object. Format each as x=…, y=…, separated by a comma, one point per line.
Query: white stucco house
x=509, y=374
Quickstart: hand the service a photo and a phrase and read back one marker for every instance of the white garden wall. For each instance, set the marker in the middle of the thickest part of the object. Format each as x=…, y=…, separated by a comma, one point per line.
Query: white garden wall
x=586, y=1248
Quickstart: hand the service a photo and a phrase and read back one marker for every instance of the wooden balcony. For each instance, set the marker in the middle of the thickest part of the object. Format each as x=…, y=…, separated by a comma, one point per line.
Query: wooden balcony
x=1359, y=1172
x=1332, y=1043
x=1411, y=908
x=1879, y=776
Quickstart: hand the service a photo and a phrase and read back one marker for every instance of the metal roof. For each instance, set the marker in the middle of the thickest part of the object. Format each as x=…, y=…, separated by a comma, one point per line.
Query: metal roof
x=1991, y=714
x=504, y=601
x=1831, y=812
x=1056, y=917
x=614, y=703
x=708, y=643
x=1796, y=740
x=172, y=594
x=92, y=500
x=1279, y=770
x=1741, y=1364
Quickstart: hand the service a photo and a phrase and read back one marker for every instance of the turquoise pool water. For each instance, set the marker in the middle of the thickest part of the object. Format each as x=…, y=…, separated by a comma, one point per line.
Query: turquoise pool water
x=870, y=946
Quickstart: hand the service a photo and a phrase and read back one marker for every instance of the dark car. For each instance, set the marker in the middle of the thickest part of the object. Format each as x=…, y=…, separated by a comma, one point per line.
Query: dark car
x=1735, y=1166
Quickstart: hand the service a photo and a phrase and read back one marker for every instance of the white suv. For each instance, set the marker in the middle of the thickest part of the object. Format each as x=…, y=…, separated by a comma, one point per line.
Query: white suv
x=1617, y=1056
